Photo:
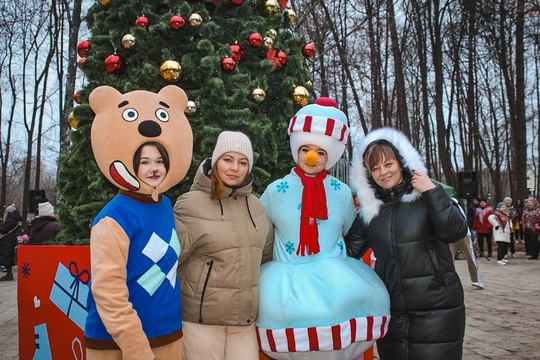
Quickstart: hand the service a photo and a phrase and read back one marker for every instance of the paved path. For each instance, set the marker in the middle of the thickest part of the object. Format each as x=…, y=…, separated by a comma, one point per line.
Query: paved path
x=9, y=334
x=503, y=320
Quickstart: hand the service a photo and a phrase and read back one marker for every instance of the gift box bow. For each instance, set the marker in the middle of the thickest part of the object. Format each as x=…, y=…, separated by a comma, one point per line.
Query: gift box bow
x=70, y=292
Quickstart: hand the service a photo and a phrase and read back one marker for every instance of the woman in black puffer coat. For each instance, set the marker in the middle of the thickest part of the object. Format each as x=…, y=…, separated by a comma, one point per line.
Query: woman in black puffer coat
x=409, y=221
x=8, y=240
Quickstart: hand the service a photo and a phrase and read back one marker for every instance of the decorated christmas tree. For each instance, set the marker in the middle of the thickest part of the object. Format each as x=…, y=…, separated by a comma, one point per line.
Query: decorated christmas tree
x=239, y=61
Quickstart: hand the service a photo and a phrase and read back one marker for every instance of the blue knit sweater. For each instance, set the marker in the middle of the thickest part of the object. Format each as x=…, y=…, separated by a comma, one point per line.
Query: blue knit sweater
x=154, y=289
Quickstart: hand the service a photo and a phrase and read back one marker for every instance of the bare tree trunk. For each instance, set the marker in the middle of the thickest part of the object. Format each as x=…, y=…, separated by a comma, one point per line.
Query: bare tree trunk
x=74, y=21
x=471, y=98
x=419, y=15
x=6, y=155
x=38, y=49
x=402, y=112
x=537, y=150
x=436, y=44
x=519, y=133
x=375, y=68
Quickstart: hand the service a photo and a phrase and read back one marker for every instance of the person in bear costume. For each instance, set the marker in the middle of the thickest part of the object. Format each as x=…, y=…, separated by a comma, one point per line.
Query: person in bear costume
x=142, y=143
x=315, y=302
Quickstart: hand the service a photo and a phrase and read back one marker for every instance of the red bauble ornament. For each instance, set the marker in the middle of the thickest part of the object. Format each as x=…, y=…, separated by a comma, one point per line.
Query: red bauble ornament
x=255, y=40
x=282, y=57
x=80, y=63
x=233, y=2
x=271, y=55
x=308, y=50
x=283, y=3
x=228, y=64
x=277, y=63
x=77, y=97
x=177, y=22
x=83, y=48
x=142, y=22
x=237, y=52
x=115, y=64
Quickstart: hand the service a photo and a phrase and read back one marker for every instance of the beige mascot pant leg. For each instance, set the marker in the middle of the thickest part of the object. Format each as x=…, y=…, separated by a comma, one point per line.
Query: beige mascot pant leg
x=466, y=246
x=213, y=342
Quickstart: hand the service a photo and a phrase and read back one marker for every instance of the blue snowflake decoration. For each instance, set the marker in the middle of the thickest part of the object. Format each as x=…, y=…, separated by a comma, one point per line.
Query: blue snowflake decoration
x=335, y=184
x=340, y=245
x=282, y=186
x=289, y=247
x=318, y=222
x=299, y=206
x=25, y=270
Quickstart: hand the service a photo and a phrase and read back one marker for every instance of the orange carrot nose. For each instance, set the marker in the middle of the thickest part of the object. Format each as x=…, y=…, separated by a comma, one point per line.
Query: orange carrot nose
x=312, y=158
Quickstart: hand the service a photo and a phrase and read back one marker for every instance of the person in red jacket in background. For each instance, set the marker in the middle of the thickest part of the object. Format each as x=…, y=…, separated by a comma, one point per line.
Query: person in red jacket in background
x=483, y=227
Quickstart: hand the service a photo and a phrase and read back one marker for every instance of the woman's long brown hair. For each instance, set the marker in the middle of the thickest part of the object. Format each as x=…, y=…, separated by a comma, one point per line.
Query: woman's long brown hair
x=217, y=184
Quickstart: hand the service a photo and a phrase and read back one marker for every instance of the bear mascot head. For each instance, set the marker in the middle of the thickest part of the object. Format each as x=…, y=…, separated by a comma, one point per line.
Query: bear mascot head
x=123, y=122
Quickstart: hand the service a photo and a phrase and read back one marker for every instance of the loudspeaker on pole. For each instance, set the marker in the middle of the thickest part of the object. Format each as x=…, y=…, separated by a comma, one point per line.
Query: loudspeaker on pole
x=468, y=186
x=36, y=197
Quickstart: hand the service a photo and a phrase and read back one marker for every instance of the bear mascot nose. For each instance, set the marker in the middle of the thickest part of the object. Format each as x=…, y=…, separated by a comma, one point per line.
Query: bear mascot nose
x=149, y=128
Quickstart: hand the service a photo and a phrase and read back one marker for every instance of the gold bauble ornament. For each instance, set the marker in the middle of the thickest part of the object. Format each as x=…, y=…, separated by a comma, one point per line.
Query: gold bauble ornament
x=268, y=42
x=74, y=123
x=128, y=41
x=290, y=15
x=271, y=7
x=272, y=34
x=170, y=70
x=300, y=95
x=195, y=20
x=104, y=2
x=258, y=95
x=191, y=108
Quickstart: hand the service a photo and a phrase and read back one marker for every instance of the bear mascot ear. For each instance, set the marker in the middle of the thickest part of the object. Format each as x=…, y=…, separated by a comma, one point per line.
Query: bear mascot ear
x=102, y=97
x=124, y=122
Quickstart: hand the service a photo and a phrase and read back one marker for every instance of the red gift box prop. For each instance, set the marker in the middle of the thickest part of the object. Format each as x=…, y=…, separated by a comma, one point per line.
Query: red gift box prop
x=51, y=291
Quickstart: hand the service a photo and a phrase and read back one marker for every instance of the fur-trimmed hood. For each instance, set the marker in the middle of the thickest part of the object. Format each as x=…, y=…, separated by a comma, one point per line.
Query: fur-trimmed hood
x=359, y=181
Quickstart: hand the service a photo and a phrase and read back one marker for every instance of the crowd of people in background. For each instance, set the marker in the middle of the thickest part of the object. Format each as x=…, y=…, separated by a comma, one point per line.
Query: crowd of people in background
x=42, y=228
x=507, y=226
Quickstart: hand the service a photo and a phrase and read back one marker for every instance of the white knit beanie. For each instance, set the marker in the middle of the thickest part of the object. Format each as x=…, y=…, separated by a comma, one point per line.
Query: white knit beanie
x=11, y=208
x=45, y=209
x=321, y=124
x=233, y=141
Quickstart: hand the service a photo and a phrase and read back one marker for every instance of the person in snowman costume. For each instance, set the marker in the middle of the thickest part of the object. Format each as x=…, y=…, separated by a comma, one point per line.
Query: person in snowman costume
x=315, y=302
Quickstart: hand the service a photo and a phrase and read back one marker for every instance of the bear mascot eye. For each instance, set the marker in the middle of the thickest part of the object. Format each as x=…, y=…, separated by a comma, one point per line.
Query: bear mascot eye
x=130, y=114
x=162, y=115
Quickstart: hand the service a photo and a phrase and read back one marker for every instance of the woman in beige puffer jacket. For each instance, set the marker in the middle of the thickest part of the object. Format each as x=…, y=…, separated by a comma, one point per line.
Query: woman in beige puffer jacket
x=225, y=236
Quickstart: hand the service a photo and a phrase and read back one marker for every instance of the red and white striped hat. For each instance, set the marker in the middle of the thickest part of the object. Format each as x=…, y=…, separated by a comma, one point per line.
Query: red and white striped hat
x=321, y=124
